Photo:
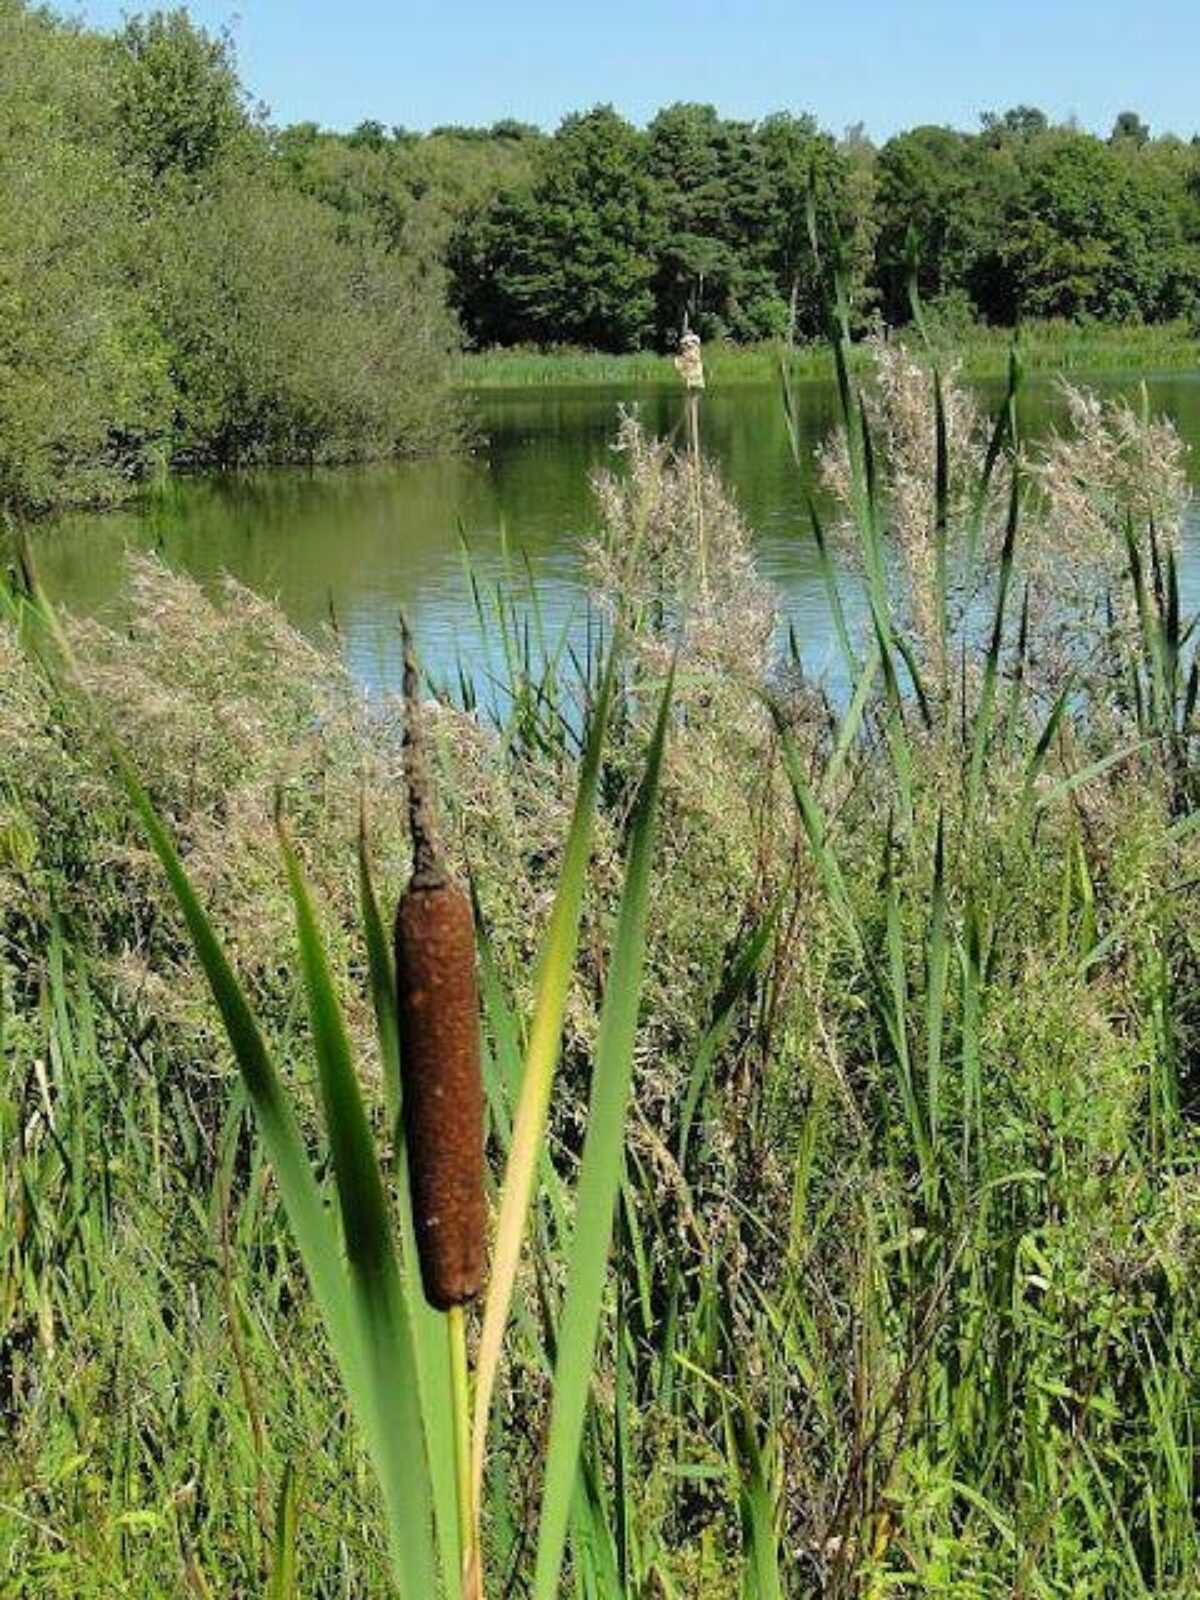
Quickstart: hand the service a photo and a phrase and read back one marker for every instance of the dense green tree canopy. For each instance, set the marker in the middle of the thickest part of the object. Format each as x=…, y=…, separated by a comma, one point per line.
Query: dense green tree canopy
x=619, y=238
x=83, y=372
x=711, y=218
x=571, y=255
x=177, y=97
x=1091, y=236
x=1030, y=220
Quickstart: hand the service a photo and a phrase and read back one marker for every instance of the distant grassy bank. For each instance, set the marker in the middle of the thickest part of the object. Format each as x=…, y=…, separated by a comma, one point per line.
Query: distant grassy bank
x=983, y=352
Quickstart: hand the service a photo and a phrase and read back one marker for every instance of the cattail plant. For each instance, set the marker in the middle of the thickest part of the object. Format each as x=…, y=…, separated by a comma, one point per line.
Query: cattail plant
x=438, y=1009
x=437, y=1013
x=403, y=1364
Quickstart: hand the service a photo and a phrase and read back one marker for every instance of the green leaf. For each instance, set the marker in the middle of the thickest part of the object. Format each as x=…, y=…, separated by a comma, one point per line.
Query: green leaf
x=283, y=1584
x=599, y=1179
x=391, y=1388
x=541, y=1059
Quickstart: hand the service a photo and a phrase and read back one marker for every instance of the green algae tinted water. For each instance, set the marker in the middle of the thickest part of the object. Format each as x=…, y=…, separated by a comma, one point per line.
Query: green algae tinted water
x=357, y=545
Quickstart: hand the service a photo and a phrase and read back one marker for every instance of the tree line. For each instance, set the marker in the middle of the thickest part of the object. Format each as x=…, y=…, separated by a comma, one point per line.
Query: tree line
x=610, y=236
x=616, y=235
x=183, y=283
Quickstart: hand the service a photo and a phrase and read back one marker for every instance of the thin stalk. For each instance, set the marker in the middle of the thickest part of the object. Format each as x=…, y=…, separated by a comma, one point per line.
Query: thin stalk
x=460, y=1383
x=693, y=430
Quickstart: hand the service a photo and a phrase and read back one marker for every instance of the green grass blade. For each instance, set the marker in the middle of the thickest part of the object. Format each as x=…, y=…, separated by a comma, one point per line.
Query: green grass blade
x=762, y=1579
x=1095, y=769
x=895, y=1008
x=541, y=1060
x=833, y=594
x=941, y=525
x=283, y=1585
x=812, y=818
x=991, y=671
x=599, y=1179
x=1001, y=430
x=972, y=972
x=850, y=725
x=937, y=973
x=745, y=966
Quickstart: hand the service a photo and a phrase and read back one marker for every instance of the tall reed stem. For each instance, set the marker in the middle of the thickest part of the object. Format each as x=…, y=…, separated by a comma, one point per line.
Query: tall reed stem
x=693, y=428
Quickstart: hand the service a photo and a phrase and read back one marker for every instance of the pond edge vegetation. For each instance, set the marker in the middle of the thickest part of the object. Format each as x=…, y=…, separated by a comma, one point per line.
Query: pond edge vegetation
x=873, y=1418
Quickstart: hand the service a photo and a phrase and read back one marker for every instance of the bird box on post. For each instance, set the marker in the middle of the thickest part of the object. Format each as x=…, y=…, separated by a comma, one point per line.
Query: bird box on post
x=688, y=362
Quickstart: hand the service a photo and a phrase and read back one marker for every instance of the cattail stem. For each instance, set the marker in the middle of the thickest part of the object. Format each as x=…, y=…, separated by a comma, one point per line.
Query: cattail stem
x=690, y=365
x=428, y=869
x=460, y=1383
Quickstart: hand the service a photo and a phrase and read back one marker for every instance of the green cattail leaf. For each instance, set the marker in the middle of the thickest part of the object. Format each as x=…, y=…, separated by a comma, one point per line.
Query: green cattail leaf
x=504, y=1084
x=310, y=1217
x=430, y=1346
x=391, y=1387
x=383, y=988
x=541, y=1059
x=369, y=1373
x=599, y=1179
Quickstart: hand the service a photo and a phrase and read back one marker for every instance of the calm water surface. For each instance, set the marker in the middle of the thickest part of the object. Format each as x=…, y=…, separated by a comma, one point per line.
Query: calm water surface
x=359, y=544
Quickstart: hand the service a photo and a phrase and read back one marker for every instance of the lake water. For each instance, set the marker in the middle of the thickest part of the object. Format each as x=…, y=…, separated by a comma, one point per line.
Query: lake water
x=360, y=544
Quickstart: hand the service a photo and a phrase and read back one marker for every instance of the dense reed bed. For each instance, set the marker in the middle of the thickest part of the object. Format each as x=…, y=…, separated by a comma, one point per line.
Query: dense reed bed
x=838, y=1051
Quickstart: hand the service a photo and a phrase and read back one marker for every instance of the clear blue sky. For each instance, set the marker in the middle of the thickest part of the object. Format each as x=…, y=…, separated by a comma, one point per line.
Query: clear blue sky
x=889, y=65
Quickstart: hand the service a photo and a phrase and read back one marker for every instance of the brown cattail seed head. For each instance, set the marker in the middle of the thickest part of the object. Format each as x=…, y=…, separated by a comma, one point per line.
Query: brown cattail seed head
x=442, y=1089
x=438, y=1006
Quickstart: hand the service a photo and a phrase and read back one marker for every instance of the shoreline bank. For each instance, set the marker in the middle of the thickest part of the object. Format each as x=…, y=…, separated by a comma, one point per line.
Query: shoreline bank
x=980, y=352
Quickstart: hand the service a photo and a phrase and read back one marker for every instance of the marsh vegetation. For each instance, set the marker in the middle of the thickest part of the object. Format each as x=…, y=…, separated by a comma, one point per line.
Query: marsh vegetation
x=868, y=1187
x=837, y=1230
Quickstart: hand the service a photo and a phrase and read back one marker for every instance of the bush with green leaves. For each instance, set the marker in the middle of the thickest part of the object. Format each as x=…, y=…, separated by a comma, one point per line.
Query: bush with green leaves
x=168, y=296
